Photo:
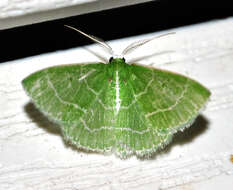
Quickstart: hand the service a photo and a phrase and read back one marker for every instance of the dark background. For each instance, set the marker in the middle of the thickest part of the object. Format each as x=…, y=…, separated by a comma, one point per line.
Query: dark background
x=111, y=24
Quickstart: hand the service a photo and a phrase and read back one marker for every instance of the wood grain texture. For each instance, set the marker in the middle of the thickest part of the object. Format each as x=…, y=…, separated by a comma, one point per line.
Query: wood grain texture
x=34, y=156
x=34, y=11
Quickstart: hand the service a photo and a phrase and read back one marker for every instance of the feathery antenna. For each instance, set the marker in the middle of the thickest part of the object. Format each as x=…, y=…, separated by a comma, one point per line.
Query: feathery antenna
x=139, y=43
x=95, y=39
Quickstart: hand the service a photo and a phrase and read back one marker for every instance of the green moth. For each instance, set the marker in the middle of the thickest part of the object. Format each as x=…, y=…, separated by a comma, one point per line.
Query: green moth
x=116, y=107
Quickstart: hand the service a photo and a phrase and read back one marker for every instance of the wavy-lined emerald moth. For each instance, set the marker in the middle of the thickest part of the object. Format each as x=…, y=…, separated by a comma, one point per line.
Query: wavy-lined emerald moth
x=116, y=107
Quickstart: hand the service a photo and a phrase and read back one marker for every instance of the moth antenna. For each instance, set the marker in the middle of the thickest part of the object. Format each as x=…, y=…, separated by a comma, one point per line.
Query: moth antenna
x=95, y=39
x=139, y=43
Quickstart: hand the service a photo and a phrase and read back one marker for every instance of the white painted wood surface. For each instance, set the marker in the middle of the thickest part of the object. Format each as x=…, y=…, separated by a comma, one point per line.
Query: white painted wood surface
x=34, y=156
x=21, y=12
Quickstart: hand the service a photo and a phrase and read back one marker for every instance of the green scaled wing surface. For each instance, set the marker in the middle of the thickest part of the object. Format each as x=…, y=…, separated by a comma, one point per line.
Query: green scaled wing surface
x=116, y=107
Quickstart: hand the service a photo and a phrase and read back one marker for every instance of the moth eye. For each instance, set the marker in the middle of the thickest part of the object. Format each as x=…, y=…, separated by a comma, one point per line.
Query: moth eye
x=110, y=60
